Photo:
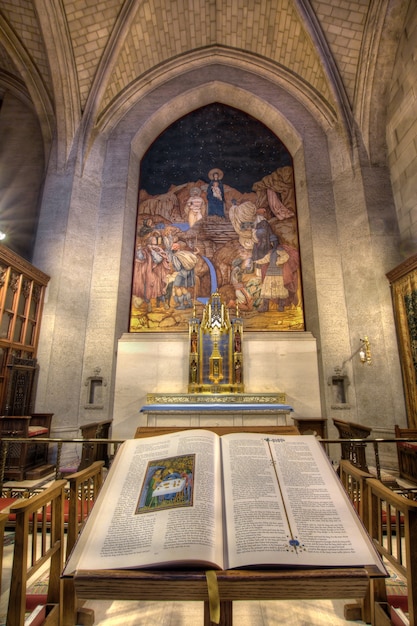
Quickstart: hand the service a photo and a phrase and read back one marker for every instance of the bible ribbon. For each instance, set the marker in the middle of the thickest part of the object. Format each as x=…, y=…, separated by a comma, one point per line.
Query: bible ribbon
x=213, y=594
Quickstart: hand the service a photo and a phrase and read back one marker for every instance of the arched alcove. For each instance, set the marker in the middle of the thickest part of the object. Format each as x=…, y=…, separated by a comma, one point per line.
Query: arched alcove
x=242, y=243
x=317, y=151
x=286, y=117
x=140, y=365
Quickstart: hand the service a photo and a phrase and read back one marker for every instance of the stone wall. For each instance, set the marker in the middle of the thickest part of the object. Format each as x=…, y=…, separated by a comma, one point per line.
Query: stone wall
x=402, y=134
x=345, y=253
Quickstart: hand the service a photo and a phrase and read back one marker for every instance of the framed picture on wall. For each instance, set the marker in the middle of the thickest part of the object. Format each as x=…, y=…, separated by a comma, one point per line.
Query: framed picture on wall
x=217, y=214
x=403, y=280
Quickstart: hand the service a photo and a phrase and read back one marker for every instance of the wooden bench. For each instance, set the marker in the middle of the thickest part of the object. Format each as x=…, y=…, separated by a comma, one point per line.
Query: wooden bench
x=407, y=453
x=39, y=538
x=355, y=483
x=39, y=517
x=393, y=530
x=26, y=460
x=353, y=451
x=91, y=452
x=316, y=426
x=84, y=487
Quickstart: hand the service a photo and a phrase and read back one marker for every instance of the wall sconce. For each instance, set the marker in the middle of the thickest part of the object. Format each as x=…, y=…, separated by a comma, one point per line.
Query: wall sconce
x=339, y=382
x=365, y=351
x=2, y=235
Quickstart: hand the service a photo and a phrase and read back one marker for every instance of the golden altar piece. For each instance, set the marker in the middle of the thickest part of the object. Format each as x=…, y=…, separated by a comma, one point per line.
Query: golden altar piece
x=215, y=356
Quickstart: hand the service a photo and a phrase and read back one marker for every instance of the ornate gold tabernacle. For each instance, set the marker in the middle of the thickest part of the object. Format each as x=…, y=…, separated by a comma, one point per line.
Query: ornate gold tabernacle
x=216, y=359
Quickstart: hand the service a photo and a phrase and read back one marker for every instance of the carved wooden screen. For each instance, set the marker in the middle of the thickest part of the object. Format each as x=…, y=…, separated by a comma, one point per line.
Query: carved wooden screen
x=20, y=390
x=22, y=288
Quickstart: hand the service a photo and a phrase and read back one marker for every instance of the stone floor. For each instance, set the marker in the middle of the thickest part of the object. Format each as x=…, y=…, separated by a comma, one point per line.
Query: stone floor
x=288, y=613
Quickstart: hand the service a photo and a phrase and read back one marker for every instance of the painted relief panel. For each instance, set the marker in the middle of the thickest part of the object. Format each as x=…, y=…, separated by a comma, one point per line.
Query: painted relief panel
x=217, y=212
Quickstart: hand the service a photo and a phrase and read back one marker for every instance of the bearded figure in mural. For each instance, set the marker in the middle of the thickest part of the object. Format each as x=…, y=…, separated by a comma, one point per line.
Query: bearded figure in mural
x=151, y=268
x=184, y=263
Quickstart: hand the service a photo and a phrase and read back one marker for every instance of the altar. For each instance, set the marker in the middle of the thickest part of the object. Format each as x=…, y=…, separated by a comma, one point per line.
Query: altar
x=216, y=393
x=214, y=375
x=222, y=409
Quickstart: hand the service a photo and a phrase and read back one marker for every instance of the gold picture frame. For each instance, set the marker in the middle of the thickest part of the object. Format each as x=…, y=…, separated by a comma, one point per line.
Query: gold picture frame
x=403, y=280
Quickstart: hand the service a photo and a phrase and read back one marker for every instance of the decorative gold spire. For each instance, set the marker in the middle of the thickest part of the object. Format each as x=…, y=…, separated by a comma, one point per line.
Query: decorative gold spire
x=215, y=315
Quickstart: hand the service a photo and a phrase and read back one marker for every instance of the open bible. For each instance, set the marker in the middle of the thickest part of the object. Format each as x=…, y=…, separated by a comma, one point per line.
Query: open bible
x=193, y=498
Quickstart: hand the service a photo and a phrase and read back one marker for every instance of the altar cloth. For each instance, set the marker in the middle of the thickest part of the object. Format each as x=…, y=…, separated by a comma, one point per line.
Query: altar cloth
x=265, y=407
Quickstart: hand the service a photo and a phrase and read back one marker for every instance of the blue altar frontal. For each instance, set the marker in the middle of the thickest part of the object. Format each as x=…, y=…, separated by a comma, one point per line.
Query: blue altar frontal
x=240, y=409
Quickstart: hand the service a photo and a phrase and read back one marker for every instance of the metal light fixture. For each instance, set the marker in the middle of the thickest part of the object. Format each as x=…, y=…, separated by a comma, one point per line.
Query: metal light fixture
x=365, y=351
x=339, y=382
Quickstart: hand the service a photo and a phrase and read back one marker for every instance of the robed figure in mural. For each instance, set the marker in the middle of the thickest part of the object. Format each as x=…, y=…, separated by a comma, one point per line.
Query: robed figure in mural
x=195, y=207
x=215, y=193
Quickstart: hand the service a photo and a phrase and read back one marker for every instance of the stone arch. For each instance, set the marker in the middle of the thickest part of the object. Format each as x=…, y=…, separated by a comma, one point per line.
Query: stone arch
x=289, y=122
x=223, y=93
x=39, y=96
x=221, y=59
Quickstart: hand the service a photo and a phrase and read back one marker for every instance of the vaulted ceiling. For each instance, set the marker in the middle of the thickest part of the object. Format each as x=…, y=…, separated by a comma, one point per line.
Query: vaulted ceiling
x=76, y=59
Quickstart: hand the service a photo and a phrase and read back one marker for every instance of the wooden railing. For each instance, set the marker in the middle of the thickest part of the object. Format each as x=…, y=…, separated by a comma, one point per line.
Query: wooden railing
x=375, y=444
x=391, y=521
x=365, y=492
x=111, y=445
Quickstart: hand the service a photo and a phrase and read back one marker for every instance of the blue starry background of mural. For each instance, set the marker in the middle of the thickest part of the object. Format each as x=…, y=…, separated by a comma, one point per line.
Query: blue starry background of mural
x=213, y=136
x=217, y=212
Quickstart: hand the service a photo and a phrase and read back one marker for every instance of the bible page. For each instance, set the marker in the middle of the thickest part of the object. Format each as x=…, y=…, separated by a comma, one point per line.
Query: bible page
x=285, y=505
x=160, y=503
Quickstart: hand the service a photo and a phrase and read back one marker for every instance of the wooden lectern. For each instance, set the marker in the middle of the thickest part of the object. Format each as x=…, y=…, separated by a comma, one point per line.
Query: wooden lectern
x=270, y=584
